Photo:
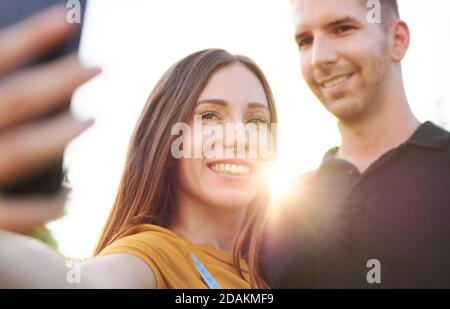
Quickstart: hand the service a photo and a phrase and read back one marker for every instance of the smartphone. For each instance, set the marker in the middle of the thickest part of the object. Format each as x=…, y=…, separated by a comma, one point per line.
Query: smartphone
x=45, y=180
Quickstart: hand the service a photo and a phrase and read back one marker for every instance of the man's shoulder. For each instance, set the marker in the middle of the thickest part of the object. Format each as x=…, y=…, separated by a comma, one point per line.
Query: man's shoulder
x=431, y=136
x=306, y=179
x=300, y=193
x=441, y=133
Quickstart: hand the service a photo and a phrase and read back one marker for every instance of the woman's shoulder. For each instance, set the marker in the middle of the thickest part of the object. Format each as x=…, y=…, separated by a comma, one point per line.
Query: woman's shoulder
x=148, y=237
x=161, y=249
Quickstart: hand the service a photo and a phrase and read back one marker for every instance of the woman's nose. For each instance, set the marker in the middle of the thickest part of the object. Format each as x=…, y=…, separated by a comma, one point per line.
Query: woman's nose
x=235, y=139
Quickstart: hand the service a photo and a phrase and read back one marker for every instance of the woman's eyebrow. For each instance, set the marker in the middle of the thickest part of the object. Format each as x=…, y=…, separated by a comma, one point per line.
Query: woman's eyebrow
x=213, y=101
x=257, y=105
x=225, y=103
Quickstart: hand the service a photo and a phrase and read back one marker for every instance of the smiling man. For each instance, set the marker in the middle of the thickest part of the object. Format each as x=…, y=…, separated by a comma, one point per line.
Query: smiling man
x=383, y=196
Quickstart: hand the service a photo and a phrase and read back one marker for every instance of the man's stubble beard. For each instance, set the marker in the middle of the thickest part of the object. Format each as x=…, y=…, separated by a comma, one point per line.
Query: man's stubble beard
x=369, y=99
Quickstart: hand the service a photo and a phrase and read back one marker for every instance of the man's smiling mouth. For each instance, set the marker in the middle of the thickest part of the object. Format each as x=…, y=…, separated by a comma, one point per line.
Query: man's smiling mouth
x=336, y=81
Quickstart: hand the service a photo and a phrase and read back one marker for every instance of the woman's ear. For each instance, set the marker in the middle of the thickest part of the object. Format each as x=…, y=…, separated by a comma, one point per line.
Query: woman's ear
x=400, y=36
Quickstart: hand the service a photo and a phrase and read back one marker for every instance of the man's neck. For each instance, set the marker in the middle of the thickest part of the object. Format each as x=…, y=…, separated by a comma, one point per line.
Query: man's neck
x=365, y=141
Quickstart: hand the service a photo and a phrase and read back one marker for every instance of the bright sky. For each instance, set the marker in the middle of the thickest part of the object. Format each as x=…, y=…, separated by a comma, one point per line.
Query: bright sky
x=135, y=43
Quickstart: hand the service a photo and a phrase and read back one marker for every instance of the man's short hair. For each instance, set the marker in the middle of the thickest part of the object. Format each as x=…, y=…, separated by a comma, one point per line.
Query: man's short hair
x=393, y=5
x=389, y=11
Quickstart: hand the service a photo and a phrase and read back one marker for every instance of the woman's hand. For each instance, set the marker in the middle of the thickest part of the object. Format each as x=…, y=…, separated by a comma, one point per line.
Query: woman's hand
x=26, y=95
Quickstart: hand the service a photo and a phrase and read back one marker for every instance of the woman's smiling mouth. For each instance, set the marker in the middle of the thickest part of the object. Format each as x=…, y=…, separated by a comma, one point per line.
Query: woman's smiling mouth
x=231, y=167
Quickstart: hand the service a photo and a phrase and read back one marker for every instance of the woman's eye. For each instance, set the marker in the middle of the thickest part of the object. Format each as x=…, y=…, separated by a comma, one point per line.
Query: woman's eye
x=210, y=116
x=257, y=120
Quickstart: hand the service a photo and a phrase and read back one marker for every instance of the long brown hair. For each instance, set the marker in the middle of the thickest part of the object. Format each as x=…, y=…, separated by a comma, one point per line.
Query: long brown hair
x=145, y=193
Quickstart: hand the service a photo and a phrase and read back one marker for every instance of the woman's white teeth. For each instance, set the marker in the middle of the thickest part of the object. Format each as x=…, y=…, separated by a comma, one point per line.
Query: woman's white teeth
x=229, y=168
x=336, y=81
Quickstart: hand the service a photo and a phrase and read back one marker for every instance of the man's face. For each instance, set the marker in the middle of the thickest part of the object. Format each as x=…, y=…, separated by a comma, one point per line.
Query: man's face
x=344, y=59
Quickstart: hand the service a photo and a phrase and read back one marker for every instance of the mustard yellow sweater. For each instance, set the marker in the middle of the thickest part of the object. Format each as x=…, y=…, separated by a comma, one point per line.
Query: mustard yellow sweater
x=168, y=255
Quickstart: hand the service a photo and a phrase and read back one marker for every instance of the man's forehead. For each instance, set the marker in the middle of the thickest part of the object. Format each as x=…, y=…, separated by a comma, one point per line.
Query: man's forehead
x=319, y=13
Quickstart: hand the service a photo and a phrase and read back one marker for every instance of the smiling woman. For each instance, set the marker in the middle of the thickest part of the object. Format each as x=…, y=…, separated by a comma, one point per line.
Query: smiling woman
x=178, y=223
x=206, y=201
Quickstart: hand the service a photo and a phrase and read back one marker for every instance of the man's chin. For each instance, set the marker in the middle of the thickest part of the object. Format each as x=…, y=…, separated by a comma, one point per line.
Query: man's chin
x=343, y=109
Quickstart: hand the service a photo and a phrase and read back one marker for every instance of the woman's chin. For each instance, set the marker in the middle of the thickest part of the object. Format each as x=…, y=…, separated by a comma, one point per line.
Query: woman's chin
x=231, y=198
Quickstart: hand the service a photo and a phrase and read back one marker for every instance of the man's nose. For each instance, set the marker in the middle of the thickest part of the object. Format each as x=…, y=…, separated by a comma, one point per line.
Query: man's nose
x=323, y=53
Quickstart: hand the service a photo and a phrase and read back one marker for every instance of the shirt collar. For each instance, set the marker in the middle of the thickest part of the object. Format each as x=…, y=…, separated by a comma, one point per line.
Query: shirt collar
x=330, y=153
x=428, y=135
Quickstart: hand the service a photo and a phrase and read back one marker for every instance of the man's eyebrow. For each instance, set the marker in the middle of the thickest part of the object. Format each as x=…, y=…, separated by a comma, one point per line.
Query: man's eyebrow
x=225, y=103
x=336, y=22
x=340, y=21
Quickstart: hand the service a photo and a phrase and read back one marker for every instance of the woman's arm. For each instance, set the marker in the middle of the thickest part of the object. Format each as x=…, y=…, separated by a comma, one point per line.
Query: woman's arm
x=24, y=95
x=27, y=263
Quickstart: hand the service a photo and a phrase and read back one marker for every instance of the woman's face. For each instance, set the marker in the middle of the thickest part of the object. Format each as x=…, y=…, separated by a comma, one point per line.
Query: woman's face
x=232, y=98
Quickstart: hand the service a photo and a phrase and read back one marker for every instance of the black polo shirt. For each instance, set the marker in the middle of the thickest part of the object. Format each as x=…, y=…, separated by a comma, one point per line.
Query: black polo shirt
x=397, y=213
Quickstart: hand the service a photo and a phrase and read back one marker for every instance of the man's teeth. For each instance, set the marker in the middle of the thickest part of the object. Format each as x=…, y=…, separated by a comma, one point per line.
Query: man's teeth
x=229, y=168
x=336, y=81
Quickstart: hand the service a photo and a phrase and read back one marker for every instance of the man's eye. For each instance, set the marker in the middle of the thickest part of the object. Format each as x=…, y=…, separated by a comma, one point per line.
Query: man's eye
x=210, y=116
x=305, y=42
x=344, y=29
